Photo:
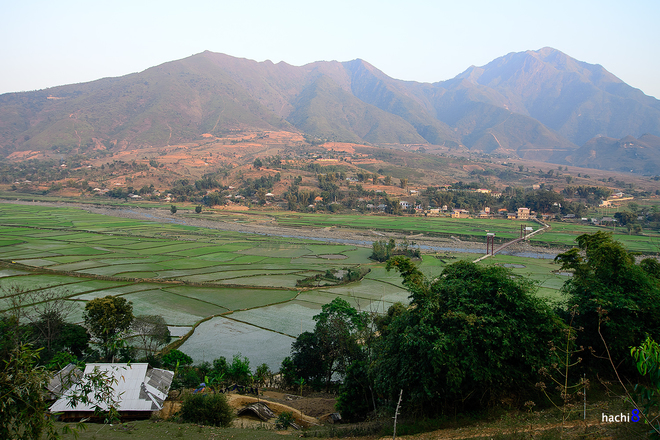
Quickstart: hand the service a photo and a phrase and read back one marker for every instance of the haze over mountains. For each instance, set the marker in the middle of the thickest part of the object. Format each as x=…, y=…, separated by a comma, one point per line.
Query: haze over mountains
x=541, y=105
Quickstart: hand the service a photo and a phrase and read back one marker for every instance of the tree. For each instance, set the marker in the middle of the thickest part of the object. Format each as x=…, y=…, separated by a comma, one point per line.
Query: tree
x=151, y=331
x=108, y=319
x=469, y=338
x=333, y=345
x=22, y=406
x=44, y=314
x=606, y=278
x=257, y=163
x=239, y=370
x=625, y=217
x=261, y=195
x=355, y=394
x=198, y=208
x=647, y=361
x=173, y=209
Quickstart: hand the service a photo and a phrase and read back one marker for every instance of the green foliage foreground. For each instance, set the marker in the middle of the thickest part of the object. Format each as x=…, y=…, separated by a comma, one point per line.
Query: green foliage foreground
x=469, y=338
x=618, y=300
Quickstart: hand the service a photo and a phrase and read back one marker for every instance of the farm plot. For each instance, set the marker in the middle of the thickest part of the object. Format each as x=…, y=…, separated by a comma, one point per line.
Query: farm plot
x=271, y=280
x=281, y=250
x=175, y=309
x=410, y=225
x=233, y=298
x=37, y=282
x=539, y=270
x=291, y=318
x=11, y=272
x=121, y=288
x=223, y=337
x=371, y=295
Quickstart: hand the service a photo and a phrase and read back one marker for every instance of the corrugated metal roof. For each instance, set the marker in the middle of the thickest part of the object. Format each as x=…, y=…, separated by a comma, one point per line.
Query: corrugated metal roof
x=63, y=380
x=137, y=388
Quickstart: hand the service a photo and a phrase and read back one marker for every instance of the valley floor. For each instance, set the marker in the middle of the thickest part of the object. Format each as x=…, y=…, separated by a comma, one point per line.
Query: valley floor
x=335, y=234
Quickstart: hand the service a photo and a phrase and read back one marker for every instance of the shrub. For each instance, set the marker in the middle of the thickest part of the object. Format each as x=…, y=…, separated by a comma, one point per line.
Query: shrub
x=207, y=409
x=284, y=420
x=171, y=359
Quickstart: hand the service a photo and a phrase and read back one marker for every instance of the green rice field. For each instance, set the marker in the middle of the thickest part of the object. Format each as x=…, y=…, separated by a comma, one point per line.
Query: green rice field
x=560, y=234
x=245, y=284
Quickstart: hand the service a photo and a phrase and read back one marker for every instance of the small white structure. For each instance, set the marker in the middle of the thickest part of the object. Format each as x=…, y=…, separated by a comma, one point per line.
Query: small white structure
x=138, y=390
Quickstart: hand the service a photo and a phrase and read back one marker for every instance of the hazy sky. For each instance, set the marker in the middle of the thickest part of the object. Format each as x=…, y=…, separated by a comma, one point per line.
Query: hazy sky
x=49, y=43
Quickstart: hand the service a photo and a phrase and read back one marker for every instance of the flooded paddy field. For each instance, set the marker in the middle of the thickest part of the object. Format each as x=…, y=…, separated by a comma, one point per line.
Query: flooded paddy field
x=247, y=284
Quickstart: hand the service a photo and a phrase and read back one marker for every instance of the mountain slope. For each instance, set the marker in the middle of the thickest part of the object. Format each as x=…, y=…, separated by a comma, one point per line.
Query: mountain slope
x=627, y=154
x=578, y=100
x=538, y=105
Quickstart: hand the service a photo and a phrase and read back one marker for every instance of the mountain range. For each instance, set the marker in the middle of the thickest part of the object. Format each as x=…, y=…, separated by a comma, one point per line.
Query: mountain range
x=540, y=105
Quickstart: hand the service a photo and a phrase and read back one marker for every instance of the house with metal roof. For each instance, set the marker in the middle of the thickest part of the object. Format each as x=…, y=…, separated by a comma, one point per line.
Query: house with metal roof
x=138, y=391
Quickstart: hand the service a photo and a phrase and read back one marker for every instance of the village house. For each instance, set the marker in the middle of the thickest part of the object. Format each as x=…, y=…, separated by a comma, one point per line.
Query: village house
x=523, y=213
x=460, y=213
x=138, y=389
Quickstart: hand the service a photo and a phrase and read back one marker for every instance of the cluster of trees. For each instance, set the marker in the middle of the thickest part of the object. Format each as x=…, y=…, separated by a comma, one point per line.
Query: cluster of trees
x=333, y=277
x=541, y=200
x=35, y=337
x=111, y=331
x=33, y=170
x=592, y=194
x=636, y=218
x=216, y=375
x=184, y=189
x=384, y=250
x=251, y=187
x=477, y=335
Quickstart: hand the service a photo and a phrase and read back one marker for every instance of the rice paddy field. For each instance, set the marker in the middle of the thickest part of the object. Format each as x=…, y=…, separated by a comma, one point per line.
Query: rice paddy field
x=239, y=290
x=560, y=234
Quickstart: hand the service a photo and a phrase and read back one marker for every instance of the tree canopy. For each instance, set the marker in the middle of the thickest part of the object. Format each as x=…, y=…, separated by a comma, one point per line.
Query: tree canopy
x=612, y=290
x=108, y=319
x=332, y=346
x=469, y=337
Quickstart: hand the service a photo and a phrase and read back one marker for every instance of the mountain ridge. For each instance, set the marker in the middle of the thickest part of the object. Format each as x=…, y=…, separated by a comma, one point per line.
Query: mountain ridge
x=539, y=104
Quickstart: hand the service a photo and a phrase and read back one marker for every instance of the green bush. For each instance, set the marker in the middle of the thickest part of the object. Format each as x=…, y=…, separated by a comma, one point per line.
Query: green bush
x=207, y=409
x=284, y=420
x=171, y=359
